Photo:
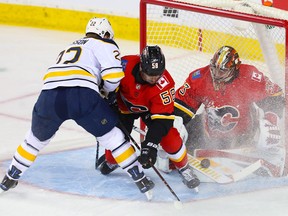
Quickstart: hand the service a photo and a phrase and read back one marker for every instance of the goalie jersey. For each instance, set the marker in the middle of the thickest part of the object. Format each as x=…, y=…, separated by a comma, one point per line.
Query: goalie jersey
x=228, y=111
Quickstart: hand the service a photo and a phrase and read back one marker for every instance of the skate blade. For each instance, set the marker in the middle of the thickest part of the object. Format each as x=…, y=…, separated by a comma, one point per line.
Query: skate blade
x=1, y=190
x=196, y=190
x=149, y=195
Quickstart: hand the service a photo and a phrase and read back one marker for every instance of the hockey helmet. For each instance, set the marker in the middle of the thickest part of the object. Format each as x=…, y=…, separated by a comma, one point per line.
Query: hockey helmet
x=100, y=26
x=224, y=66
x=152, y=61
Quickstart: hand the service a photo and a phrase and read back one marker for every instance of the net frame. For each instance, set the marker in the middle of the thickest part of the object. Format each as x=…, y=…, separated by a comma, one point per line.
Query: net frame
x=270, y=20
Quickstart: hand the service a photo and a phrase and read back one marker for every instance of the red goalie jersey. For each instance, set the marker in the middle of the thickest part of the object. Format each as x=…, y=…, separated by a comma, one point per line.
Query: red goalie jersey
x=228, y=110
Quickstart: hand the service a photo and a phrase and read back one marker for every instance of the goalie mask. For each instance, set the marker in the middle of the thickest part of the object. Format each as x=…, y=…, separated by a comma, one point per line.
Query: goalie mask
x=100, y=26
x=224, y=66
x=152, y=61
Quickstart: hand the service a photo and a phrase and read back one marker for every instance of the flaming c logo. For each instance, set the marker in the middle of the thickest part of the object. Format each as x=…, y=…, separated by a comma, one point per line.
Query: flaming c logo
x=223, y=119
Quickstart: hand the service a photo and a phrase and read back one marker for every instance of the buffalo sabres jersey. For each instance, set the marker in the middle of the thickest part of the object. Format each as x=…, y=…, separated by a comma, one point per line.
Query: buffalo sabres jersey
x=85, y=63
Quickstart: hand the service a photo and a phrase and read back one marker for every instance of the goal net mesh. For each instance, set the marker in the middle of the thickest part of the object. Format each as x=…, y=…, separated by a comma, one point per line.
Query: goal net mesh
x=190, y=31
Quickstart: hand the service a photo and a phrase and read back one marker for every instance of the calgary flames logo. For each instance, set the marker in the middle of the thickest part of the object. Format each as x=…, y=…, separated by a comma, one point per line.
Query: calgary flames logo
x=222, y=119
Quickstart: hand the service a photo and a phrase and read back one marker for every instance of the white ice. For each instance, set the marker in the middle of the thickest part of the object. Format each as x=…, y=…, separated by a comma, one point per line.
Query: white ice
x=25, y=55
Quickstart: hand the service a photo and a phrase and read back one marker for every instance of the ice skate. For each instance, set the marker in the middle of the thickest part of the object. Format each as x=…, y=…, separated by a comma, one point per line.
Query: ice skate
x=189, y=178
x=106, y=167
x=144, y=184
x=7, y=183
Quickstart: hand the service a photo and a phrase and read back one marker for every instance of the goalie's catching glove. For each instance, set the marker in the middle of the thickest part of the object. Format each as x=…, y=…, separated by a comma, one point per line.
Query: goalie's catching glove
x=148, y=154
x=269, y=131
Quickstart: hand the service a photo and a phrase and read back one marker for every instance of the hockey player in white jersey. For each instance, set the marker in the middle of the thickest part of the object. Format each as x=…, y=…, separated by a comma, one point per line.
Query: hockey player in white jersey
x=71, y=91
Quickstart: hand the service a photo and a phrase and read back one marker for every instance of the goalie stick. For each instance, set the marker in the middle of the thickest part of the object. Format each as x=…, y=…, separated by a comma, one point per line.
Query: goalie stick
x=275, y=170
x=213, y=174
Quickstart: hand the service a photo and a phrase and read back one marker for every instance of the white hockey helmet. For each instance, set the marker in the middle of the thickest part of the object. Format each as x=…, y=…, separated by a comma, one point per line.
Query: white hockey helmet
x=100, y=26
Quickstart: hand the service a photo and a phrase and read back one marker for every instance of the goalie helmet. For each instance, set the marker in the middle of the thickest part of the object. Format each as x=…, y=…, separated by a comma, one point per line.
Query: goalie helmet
x=100, y=26
x=152, y=61
x=224, y=66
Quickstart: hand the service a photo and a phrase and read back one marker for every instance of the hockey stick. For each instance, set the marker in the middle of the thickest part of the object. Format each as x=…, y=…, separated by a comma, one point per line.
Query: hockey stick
x=153, y=167
x=222, y=178
x=275, y=170
x=196, y=164
x=213, y=174
x=97, y=156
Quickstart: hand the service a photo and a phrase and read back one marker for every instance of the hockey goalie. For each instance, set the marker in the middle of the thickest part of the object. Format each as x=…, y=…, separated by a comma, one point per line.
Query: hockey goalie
x=232, y=113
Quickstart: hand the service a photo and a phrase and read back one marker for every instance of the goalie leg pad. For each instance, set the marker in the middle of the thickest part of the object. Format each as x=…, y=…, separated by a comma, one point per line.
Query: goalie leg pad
x=269, y=131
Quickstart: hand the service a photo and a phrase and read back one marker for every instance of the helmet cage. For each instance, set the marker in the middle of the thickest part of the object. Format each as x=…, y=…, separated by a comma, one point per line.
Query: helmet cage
x=221, y=75
x=224, y=66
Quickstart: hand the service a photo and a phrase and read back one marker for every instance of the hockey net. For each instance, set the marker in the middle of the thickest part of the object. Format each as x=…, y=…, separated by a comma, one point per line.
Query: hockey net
x=190, y=31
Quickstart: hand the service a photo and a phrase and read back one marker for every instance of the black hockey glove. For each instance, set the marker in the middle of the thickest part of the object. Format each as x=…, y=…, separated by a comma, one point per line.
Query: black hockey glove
x=112, y=98
x=148, y=154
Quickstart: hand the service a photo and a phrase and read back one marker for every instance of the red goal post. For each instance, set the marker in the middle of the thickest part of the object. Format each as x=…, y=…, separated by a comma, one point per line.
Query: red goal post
x=190, y=31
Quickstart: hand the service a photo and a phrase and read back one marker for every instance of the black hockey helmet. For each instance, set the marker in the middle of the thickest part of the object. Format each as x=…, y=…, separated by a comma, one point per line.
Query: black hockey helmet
x=152, y=61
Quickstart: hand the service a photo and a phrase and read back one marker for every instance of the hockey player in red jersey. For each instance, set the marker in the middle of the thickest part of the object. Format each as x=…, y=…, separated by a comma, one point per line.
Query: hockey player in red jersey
x=238, y=100
x=147, y=91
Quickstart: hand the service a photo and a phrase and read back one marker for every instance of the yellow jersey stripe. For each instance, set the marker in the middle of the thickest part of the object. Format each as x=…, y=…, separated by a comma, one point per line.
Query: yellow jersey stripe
x=171, y=117
x=25, y=154
x=115, y=75
x=67, y=73
x=182, y=108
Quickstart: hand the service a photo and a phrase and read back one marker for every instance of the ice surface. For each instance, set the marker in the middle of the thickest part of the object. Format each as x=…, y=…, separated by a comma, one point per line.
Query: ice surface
x=63, y=180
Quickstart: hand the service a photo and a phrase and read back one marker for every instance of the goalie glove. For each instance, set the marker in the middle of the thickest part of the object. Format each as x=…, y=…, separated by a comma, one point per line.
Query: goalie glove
x=270, y=135
x=148, y=154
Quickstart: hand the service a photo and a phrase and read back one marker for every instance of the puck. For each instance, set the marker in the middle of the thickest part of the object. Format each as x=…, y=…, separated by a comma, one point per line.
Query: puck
x=205, y=163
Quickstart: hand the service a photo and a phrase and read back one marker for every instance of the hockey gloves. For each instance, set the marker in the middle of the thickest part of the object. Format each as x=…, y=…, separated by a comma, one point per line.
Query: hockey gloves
x=112, y=98
x=148, y=154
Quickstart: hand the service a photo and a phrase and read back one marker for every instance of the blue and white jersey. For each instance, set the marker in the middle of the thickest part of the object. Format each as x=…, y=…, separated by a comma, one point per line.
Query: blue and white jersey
x=85, y=63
